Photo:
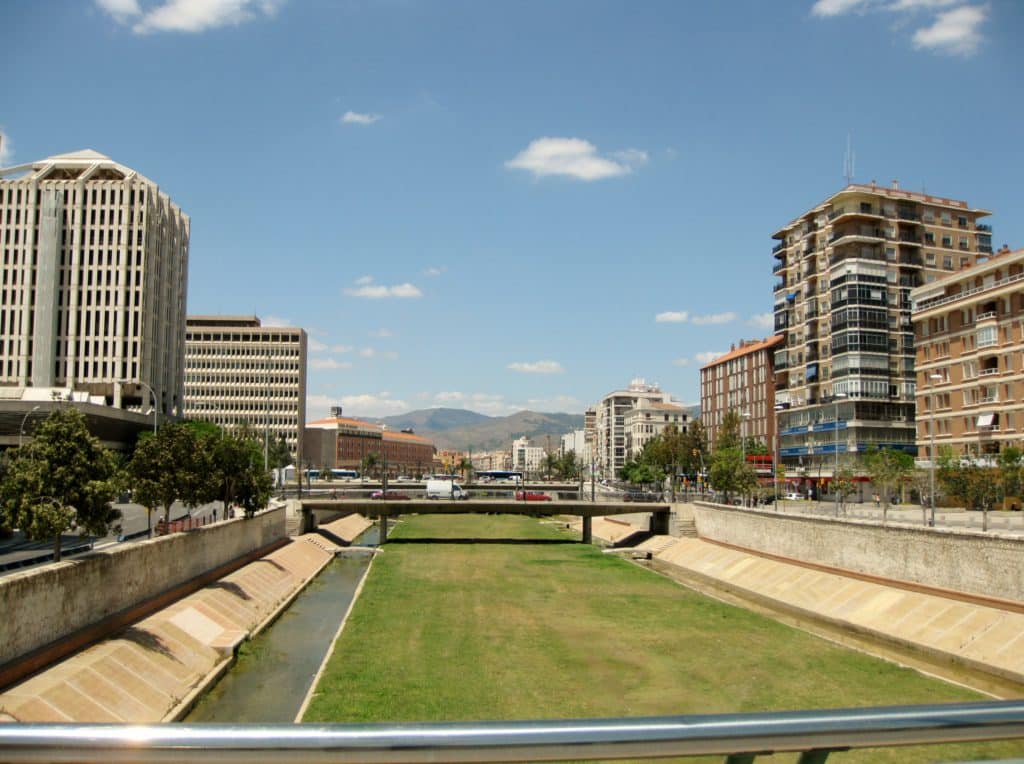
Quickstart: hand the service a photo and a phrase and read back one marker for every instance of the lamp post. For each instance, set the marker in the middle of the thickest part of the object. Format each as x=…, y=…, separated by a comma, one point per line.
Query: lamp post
x=775, y=461
x=156, y=406
x=24, y=419
x=836, y=397
x=931, y=461
x=744, y=416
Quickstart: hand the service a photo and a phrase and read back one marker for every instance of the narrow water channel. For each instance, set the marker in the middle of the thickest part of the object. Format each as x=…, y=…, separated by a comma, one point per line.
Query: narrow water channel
x=273, y=672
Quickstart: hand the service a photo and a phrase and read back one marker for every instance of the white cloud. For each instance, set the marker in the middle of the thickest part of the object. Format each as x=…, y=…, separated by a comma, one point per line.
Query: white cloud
x=6, y=149
x=681, y=362
x=672, y=317
x=708, y=356
x=434, y=272
x=452, y=397
x=275, y=321
x=341, y=348
x=355, y=118
x=363, y=280
x=762, y=321
x=838, y=7
x=365, y=288
x=714, y=318
x=186, y=15
x=313, y=345
x=574, y=158
x=323, y=364
x=954, y=31
x=537, y=367
x=373, y=404
x=367, y=352
x=382, y=333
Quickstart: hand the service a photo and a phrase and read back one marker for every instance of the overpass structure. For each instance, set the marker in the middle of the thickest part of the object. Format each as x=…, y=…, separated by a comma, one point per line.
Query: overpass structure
x=584, y=509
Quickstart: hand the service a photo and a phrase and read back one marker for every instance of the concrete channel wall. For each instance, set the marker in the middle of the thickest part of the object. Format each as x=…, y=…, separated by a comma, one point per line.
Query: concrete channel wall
x=44, y=605
x=985, y=564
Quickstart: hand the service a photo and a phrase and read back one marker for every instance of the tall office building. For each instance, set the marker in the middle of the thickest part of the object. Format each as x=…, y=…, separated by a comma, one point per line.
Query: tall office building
x=845, y=373
x=239, y=372
x=610, y=423
x=93, y=286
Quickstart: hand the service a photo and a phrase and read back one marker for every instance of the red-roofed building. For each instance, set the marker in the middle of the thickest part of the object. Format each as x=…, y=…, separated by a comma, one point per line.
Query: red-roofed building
x=339, y=442
x=742, y=380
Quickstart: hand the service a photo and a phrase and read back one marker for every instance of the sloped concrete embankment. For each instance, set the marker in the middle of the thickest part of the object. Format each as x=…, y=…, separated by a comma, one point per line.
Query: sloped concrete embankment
x=156, y=669
x=969, y=642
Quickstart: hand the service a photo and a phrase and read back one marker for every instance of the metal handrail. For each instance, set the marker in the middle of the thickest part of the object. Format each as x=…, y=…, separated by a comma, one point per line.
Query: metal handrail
x=740, y=735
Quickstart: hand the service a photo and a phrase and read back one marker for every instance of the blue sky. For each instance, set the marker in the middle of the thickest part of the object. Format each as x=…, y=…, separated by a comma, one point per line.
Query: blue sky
x=508, y=205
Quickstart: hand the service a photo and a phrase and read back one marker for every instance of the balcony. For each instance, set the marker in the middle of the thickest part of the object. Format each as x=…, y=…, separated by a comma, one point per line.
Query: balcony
x=909, y=238
x=779, y=286
x=990, y=315
x=983, y=227
x=779, y=266
x=986, y=248
x=988, y=372
x=778, y=247
x=907, y=215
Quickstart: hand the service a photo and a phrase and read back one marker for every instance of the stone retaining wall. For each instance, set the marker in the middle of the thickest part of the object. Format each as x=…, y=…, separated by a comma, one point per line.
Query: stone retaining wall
x=43, y=605
x=986, y=564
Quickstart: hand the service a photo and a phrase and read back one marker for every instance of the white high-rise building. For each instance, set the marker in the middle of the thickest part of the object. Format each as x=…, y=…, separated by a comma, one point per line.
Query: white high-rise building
x=93, y=285
x=610, y=424
x=238, y=372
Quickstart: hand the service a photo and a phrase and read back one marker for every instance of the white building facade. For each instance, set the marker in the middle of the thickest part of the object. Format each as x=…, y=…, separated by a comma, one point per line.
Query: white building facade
x=527, y=457
x=648, y=420
x=93, y=284
x=238, y=372
x=610, y=423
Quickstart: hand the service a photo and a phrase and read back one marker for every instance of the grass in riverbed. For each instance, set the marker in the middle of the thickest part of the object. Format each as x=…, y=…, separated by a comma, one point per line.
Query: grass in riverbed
x=502, y=617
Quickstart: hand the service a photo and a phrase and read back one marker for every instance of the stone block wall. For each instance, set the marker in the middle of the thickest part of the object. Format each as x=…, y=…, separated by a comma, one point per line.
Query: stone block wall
x=986, y=564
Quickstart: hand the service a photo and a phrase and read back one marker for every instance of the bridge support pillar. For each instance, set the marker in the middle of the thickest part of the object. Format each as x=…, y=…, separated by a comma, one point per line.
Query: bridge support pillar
x=588, y=532
x=660, y=522
x=383, y=529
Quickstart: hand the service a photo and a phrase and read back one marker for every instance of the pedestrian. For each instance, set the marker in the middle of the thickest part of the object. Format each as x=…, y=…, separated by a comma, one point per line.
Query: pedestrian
x=877, y=499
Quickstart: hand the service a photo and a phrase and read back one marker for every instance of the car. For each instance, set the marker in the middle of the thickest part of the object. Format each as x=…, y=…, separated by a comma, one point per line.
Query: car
x=532, y=496
x=793, y=497
x=390, y=495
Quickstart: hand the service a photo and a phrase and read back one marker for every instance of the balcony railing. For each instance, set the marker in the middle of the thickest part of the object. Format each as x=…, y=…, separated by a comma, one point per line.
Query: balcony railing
x=740, y=737
x=984, y=227
x=988, y=372
x=986, y=316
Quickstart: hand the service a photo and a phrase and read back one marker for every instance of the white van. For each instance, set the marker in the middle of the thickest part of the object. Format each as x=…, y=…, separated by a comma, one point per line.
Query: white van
x=445, y=489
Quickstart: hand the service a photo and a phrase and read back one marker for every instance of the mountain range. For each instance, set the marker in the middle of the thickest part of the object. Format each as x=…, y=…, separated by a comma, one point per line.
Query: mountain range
x=462, y=430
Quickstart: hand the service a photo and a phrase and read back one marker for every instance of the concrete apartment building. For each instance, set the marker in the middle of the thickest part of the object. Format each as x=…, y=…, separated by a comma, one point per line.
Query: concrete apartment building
x=527, y=457
x=969, y=333
x=742, y=380
x=239, y=372
x=845, y=374
x=610, y=423
x=647, y=420
x=92, y=293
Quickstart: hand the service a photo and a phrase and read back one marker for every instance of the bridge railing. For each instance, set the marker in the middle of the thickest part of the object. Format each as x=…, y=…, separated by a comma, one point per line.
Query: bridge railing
x=740, y=737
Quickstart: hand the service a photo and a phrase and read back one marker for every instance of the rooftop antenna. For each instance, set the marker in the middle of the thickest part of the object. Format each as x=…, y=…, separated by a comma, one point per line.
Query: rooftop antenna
x=848, y=160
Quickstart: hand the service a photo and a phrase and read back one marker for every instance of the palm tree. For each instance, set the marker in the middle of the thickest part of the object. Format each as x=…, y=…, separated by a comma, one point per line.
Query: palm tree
x=464, y=466
x=370, y=462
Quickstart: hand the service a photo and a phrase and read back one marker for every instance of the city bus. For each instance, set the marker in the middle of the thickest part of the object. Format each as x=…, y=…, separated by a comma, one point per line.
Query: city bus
x=485, y=475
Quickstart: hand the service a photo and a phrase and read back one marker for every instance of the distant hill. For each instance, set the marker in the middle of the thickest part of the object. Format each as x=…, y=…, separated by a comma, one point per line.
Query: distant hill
x=461, y=430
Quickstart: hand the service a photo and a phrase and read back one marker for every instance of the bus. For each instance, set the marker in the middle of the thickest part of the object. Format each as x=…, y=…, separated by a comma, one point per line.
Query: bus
x=485, y=475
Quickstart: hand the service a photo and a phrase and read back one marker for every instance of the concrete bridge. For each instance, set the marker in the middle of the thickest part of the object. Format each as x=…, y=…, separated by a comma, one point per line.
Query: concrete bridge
x=584, y=509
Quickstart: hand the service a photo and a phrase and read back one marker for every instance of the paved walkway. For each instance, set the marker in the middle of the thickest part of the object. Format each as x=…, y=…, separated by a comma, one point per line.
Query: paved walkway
x=154, y=670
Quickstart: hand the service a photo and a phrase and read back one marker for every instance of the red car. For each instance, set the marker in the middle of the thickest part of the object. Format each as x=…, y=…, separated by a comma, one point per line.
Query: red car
x=390, y=495
x=532, y=496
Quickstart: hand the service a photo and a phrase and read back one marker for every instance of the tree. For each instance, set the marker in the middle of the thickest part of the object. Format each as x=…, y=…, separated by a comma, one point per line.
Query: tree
x=730, y=473
x=550, y=463
x=237, y=476
x=888, y=469
x=667, y=452
x=279, y=455
x=370, y=462
x=1011, y=462
x=63, y=479
x=569, y=466
x=844, y=483
x=640, y=473
x=173, y=465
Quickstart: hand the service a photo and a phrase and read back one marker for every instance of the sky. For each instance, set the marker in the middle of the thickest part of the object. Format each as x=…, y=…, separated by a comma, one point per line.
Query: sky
x=511, y=205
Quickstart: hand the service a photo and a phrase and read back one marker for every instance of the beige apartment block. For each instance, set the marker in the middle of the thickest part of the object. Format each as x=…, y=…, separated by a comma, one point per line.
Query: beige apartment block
x=610, y=423
x=93, y=286
x=239, y=372
x=648, y=420
x=845, y=373
x=742, y=380
x=969, y=330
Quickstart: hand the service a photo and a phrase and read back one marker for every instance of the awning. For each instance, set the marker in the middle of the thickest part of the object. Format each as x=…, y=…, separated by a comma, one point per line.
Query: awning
x=985, y=420
x=791, y=296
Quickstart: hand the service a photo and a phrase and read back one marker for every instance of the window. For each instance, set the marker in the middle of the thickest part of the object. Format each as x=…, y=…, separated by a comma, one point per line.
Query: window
x=986, y=336
x=947, y=262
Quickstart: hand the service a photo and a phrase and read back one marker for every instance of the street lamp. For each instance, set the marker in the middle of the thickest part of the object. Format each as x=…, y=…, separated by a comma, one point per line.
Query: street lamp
x=156, y=406
x=775, y=461
x=836, y=397
x=21, y=431
x=744, y=416
x=931, y=462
